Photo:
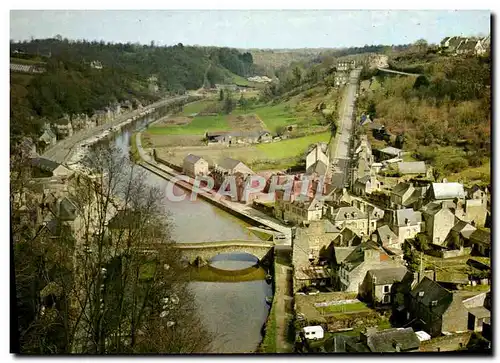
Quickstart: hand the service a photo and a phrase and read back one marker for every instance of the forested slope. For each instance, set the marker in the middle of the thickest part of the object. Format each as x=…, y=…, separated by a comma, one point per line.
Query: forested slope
x=71, y=85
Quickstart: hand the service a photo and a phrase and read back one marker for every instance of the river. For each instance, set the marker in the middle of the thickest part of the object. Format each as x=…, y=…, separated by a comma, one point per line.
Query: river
x=234, y=311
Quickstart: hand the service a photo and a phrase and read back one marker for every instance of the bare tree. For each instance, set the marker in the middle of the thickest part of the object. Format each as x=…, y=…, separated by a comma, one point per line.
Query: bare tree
x=110, y=279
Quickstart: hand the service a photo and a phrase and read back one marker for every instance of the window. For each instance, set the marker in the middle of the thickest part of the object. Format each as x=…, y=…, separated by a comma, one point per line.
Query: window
x=387, y=299
x=387, y=288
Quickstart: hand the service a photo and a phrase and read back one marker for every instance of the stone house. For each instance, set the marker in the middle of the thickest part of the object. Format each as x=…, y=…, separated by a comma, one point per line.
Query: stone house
x=347, y=238
x=47, y=139
x=303, y=210
x=479, y=310
x=63, y=128
x=435, y=310
x=366, y=185
x=469, y=46
x=238, y=137
x=231, y=166
x=319, y=152
x=472, y=210
x=412, y=169
x=386, y=238
x=316, y=240
x=351, y=217
x=406, y=223
x=318, y=168
x=313, y=254
x=394, y=340
x=400, y=195
x=43, y=167
x=341, y=79
x=480, y=240
x=390, y=152
x=476, y=192
x=290, y=188
x=96, y=64
x=439, y=220
x=459, y=235
x=194, y=165
x=445, y=191
x=365, y=257
x=377, y=285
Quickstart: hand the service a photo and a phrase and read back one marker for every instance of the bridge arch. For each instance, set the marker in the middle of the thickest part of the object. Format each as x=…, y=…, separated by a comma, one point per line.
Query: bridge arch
x=262, y=251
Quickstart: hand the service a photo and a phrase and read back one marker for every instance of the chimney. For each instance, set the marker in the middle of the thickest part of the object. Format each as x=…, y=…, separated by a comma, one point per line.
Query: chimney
x=396, y=346
x=434, y=275
x=407, y=221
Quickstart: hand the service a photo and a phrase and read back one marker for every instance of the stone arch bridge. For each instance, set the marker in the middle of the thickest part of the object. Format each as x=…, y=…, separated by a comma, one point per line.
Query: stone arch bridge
x=207, y=250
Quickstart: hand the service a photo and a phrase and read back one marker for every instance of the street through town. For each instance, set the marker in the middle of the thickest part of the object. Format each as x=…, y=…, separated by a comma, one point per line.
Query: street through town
x=339, y=147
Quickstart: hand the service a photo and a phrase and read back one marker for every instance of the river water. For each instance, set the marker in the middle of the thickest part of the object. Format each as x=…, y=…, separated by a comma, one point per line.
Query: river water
x=234, y=311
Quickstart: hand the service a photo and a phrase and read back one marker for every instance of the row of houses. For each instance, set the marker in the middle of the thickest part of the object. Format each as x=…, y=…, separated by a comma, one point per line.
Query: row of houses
x=463, y=45
x=381, y=279
x=238, y=137
x=68, y=125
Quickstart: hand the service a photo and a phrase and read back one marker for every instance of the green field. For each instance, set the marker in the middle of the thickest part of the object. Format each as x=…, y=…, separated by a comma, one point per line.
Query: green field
x=196, y=107
x=198, y=126
x=292, y=147
x=274, y=116
x=343, y=308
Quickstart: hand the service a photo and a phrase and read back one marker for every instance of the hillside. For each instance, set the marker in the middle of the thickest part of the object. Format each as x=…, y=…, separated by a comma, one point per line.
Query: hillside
x=445, y=114
x=81, y=76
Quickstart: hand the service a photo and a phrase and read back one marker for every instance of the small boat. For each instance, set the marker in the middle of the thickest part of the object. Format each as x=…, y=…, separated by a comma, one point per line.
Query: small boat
x=269, y=300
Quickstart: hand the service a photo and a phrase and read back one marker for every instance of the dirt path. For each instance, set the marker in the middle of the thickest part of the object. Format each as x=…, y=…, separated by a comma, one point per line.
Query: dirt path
x=284, y=299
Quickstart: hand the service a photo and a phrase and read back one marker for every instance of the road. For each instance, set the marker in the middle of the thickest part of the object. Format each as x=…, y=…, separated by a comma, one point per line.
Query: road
x=398, y=72
x=61, y=151
x=339, y=148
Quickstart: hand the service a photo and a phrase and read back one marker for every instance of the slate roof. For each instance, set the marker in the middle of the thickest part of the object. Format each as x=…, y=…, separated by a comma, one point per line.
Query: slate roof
x=444, y=41
x=193, y=159
x=376, y=126
x=401, y=188
x=329, y=227
x=44, y=164
x=481, y=236
x=412, y=167
x=357, y=256
x=318, y=167
x=47, y=136
x=447, y=190
x=363, y=180
x=314, y=204
x=480, y=312
x=468, y=44
x=455, y=41
x=386, y=340
x=346, y=213
x=391, y=151
x=461, y=225
x=229, y=163
x=407, y=214
x=341, y=253
x=386, y=276
x=432, y=291
x=385, y=233
x=251, y=134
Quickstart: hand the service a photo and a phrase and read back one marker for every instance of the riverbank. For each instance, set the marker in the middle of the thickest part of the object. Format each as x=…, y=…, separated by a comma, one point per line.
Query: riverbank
x=62, y=151
x=279, y=330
